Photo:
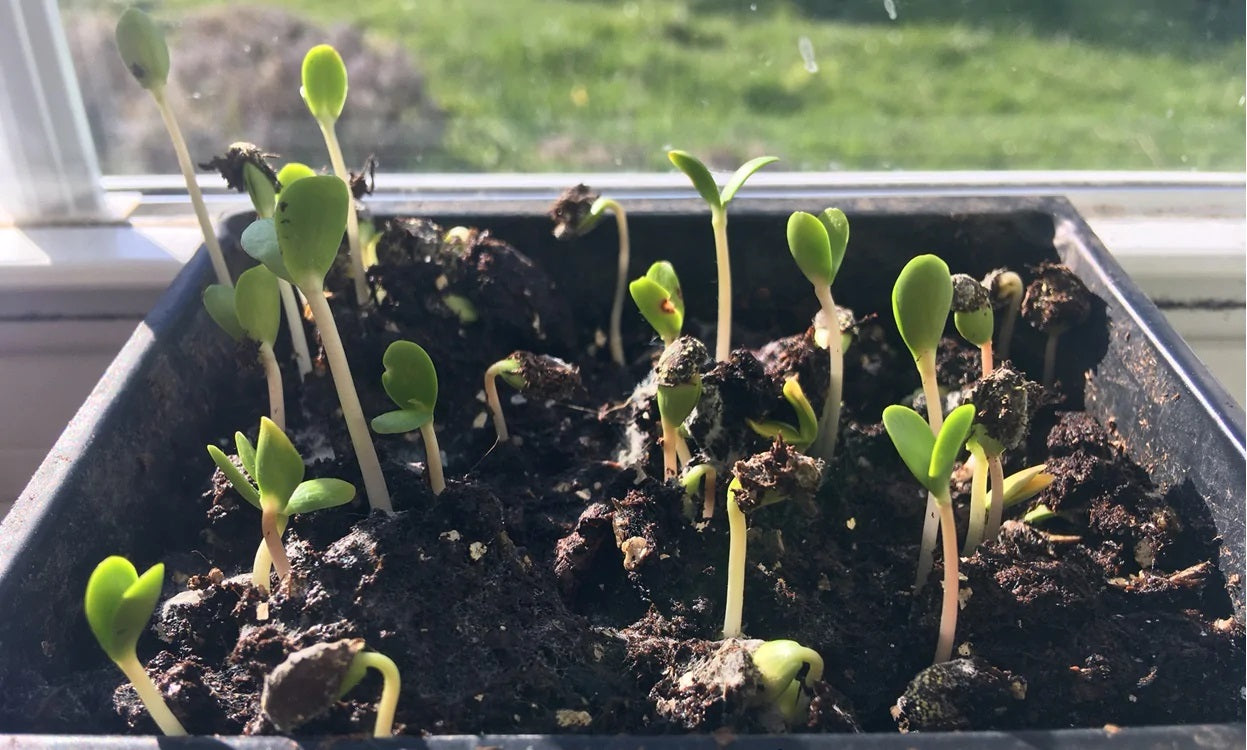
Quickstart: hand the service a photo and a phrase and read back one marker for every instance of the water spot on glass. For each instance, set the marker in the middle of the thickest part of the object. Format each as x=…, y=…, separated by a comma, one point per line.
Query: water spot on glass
x=889, y=7
x=630, y=10
x=1169, y=114
x=246, y=48
x=196, y=95
x=1242, y=100
x=806, y=48
x=753, y=6
x=1183, y=158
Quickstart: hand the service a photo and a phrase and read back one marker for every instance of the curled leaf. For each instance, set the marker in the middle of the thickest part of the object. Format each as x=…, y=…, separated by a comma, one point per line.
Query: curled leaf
x=743, y=173
x=236, y=479
x=119, y=602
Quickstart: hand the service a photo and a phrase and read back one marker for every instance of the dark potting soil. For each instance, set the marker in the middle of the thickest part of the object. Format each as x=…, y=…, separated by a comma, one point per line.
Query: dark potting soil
x=558, y=585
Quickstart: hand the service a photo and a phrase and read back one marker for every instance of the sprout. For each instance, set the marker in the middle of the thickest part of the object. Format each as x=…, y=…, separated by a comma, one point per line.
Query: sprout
x=660, y=299
x=541, y=376
x=118, y=604
x=324, y=91
x=789, y=671
x=972, y=314
x=701, y=476
x=251, y=310
x=1005, y=289
x=411, y=382
x=772, y=476
x=930, y=459
x=817, y=244
x=1025, y=484
x=576, y=213
x=1055, y=301
x=921, y=299
x=709, y=191
x=679, y=389
x=312, y=679
x=311, y=214
x=799, y=437
x=279, y=491
x=144, y=52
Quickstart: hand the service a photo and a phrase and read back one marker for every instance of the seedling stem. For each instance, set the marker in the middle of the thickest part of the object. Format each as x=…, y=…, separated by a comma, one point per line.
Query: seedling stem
x=935, y=417
x=996, y=469
x=390, y=685
x=269, y=524
x=294, y=321
x=491, y=395
x=735, y=564
x=723, y=334
x=352, y=219
x=948, y=613
x=437, y=479
x=1049, y=357
x=621, y=280
x=978, y=499
x=153, y=701
x=272, y=373
x=825, y=443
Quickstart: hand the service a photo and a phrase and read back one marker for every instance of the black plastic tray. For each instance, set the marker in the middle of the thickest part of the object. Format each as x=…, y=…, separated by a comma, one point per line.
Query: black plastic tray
x=121, y=458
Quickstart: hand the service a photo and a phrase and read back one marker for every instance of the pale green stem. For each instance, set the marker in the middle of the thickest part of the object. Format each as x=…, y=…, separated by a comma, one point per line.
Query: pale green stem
x=352, y=412
x=391, y=683
x=998, y=495
x=192, y=186
x=621, y=283
x=978, y=500
x=948, y=612
x=492, y=401
x=935, y=417
x=436, y=480
x=735, y=567
x=723, y=334
x=352, y=220
x=1006, y=326
x=1049, y=357
x=270, y=524
x=829, y=422
x=153, y=701
x=294, y=320
x=272, y=373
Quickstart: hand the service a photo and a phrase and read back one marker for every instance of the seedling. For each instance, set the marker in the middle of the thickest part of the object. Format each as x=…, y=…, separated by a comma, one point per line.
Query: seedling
x=541, y=376
x=921, y=299
x=701, y=477
x=145, y=53
x=312, y=679
x=972, y=314
x=704, y=182
x=1005, y=289
x=118, y=604
x=576, y=213
x=799, y=437
x=660, y=299
x=772, y=476
x=251, y=309
x=1055, y=301
x=324, y=92
x=789, y=672
x=679, y=389
x=411, y=382
x=311, y=216
x=930, y=459
x=817, y=244
x=278, y=492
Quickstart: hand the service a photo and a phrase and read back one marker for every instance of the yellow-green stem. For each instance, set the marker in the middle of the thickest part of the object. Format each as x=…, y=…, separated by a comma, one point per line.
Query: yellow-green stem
x=352, y=412
x=998, y=496
x=1049, y=358
x=352, y=220
x=723, y=334
x=492, y=401
x=269, y=524
x=192, y=186
x=153, y=701
x=436, y=479
x=829, y=422
x=391, y=683
x=978, y=500
x=621, y=284
x=735, y=567
x=294, y=321
x=935, y=417
x=1006, y=326
x=272, y=373
x=948, y=612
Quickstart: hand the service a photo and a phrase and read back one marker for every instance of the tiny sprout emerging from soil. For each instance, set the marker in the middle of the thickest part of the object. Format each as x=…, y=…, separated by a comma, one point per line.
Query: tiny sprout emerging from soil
x=251, y=309
x=972, y=314
x=577, y=211
x=660, y=299
x=921, y=299
x=312, y=679
x=539, y=375
x=817, y=244
x=145, y=53
x=118, y=604
x=1005, y=289
x=799, y=437
x=701, y=477
x=311, y=215
x=410, y=380
x=679, y=389
x=930, y=459
x=704, y=182
x=777, y=474
x=789, y=671
x=1055, y=301
x=324, y=92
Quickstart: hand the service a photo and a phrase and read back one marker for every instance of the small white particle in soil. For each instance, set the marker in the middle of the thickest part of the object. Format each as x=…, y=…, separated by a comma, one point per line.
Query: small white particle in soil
x=563, y=487
x=599, y=338
x=597, y=485
x=851, y=524
x=598, y=652
x=824, y=583
x=477, y=550
x=862, y=463
x=964, y=649
x=502, y=627
x=441, y=282
x=479, y=697
x=584, y=494
x=480, y=396
x=450, y=536
x=537, y=323
x=517, y=440
x=518, y=399
x=963, y=595
x=480, y=421
x=1133, y=698
x=569, y=718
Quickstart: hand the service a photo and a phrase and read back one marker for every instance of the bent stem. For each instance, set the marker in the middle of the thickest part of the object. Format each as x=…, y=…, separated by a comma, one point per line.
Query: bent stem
x=723, y=334
x=1049, y=357
x=192, y=186
x=434, y=457
x=294, y=321
x=829, y=422
x=352, y=220
x=935, y=417
x=978, y=499
x=153, y=701
x=948, y=612
x=492, y=401
x=271, y=527
x=352, y=412
x=272, y=373
x=735, y=567
x=390, y=685
x=997, y=470
x=621, y=283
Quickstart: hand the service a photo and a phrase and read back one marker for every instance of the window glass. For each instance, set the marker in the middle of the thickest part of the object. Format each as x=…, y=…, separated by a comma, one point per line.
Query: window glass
x=603, y=85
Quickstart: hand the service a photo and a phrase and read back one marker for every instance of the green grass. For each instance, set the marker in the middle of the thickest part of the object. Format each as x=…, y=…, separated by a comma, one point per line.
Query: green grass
x=540, y=85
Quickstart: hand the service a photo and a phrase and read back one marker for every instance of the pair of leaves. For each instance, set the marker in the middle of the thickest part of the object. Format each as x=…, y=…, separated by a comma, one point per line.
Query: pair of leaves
x=143, y=49
x=278, y=470
x=660, y=299
x=704, y=182
x=410, y=380
x=921, y=299
x=309, y=224
x=929, y=457
x=119, y=602
x=801, y=436
x=324, y=83
x=817, y=243
x=251, y=308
